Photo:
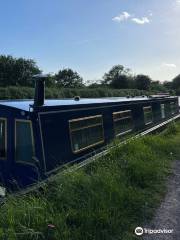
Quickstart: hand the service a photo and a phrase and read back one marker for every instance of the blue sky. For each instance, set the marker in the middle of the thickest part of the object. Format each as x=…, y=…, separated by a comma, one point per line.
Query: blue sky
x=92, y=36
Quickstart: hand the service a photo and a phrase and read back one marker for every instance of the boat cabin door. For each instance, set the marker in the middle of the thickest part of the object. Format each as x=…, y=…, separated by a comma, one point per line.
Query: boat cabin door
x=27, y=165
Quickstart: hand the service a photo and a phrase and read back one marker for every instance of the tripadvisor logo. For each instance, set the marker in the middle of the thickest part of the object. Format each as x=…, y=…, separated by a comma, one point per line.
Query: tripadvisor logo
x=139, y=231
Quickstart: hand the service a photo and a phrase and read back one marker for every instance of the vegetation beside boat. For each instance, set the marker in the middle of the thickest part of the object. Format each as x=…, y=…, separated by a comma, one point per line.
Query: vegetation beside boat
x=12, y=92
x=105, y=200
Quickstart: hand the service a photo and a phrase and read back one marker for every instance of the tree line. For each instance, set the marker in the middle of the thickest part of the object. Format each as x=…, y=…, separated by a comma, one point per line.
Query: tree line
x=20, y=72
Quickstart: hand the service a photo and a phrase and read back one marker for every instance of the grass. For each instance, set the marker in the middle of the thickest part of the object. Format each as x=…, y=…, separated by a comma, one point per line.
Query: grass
x=104, y=201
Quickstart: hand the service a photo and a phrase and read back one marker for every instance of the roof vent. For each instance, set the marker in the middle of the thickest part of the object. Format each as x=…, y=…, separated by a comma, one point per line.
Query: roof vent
x=77, y=98
x=39, y=90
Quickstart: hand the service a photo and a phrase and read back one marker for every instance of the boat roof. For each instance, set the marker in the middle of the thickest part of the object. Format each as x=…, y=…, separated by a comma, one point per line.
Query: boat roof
x=25, y=104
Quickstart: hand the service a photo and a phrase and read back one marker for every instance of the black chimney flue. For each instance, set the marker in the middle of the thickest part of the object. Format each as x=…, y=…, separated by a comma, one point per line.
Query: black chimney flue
x=39, y=95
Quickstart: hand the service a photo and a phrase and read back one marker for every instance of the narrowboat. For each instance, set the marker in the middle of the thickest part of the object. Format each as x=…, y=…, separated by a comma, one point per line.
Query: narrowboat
x=39, y=136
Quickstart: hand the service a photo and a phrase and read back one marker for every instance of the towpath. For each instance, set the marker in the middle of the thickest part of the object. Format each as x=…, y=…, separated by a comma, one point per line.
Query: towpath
x=168, y=215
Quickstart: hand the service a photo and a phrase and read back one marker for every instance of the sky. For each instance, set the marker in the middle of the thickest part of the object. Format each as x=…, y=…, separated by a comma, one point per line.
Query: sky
x=90, y=36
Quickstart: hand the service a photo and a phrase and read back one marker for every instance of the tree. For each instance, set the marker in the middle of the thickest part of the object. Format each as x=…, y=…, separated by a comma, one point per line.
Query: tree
x=176, y=82
x=122, y=82
x=168, y=85
x=94, y=85
x=158, y=86
x=118, y=77
x=69, y=79
x=17, y=71
x=50, y=80
x=142, y=82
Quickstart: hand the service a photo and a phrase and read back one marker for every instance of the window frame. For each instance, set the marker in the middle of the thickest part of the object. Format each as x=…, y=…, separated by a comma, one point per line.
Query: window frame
x=32, y=138
x=172, y=107
x=5, y=120
x=81, y=119
x=146, y=107
x=127, y=131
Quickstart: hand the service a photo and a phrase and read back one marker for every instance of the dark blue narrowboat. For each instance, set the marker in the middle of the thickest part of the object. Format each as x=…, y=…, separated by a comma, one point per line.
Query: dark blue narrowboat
x=39, y=136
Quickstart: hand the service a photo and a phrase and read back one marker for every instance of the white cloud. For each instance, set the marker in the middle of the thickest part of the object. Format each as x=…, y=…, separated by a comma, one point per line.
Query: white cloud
x=122, y=17
x=178, y=1
x=169, y=65
x=141, y=21
x=125, y=16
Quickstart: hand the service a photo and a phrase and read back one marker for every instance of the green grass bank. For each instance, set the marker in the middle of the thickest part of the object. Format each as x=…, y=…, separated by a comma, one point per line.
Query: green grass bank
x=12, y=92
x=105, y=200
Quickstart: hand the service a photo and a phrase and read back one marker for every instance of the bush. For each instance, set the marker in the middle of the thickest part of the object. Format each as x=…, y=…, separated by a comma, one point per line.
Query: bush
x=28, y=93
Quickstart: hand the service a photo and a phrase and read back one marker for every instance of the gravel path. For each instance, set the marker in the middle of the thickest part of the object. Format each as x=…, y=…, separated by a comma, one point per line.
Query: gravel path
x=168, y=215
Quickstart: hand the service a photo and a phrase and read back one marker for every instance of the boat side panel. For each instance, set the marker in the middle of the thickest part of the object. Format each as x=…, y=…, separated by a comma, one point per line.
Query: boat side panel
x=56, y=135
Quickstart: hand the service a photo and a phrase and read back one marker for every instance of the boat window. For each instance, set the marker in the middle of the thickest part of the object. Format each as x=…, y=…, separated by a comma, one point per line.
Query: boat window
x=24, y=147
x=173, y=107
x=148, y=117
x=123, y=122
x=86, y=132
x=163, y=111
x=3, y=138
